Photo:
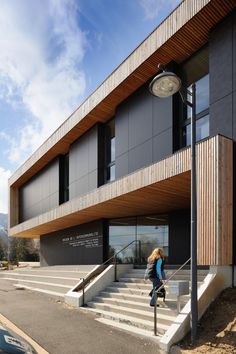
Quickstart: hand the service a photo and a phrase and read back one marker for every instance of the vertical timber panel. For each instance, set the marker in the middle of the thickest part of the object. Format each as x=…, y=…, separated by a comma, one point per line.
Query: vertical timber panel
x=225, y=202
x=214, y=201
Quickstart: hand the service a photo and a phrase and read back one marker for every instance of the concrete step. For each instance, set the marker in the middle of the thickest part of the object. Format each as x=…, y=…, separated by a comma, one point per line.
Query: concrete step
x=141, y=292
x=45, y=278
x=129, y=320
x=132, y=285
x=139, y=278
x=134, y=330
x=143, y=306
x=136, y=313
x=42, y=285
x=48, y=292
x=53, y=273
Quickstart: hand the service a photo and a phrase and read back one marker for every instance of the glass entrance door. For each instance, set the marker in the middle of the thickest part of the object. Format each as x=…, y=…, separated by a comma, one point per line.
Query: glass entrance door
x=152, y=231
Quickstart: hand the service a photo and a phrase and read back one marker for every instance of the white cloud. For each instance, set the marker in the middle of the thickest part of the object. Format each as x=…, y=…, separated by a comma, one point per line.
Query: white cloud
x=152, y=8
x=4, y=175
x=42, y=48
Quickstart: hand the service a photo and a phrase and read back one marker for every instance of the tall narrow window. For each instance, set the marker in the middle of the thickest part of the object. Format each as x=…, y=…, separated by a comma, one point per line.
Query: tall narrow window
x=64, y=179
x=110, y=152
x=202, y=112
x=196, y=70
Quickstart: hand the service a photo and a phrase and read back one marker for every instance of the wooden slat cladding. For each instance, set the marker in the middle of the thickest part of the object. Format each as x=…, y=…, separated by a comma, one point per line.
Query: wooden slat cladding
x=179, y=36
x=214, y=201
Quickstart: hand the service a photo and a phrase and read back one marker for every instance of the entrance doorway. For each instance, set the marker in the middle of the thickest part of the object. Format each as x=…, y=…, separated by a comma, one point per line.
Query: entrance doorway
x=151, y=230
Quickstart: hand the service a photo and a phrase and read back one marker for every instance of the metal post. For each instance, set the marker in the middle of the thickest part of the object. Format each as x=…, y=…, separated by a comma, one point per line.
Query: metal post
x=194, y=305
x=155, y=312
x=139, y=248
x=83, y=291
x=115, y=268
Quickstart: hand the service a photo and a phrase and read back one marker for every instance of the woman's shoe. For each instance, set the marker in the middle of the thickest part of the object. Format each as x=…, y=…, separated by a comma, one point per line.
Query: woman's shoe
x=157, y=305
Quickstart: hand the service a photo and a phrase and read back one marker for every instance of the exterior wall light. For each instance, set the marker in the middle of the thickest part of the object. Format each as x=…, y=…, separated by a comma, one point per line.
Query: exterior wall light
x=163, y=85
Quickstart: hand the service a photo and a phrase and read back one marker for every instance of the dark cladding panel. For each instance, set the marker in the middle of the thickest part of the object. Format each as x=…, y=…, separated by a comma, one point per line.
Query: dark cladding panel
x=83, y=164
x=122, y=129
x=122, y=165
x=221, y=117
x=162, y=116
x=41, y=193
x=221, y=65
x=77, y=245
x=160, y=148
x=179, y=236
x=220, y=60
x=143, y=131
x=140, y=156
x=234, y=52
x=140, y=118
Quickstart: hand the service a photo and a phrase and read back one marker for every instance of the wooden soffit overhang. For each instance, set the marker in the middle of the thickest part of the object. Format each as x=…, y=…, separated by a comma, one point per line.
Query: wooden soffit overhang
x=181, y=34
x=159, y=188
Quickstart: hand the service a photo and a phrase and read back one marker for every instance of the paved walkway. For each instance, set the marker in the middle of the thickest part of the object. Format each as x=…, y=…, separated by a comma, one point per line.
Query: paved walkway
x=63, y=330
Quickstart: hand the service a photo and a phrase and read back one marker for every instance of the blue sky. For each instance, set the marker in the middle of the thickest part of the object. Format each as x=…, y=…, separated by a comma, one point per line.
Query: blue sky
x=54, y=53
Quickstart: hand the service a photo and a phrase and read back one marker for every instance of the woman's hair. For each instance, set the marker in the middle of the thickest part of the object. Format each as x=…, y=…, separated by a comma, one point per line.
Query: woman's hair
x=156, y=253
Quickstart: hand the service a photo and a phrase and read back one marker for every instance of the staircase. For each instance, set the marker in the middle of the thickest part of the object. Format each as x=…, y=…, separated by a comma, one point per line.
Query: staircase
x=125, y=304
x=54, y=280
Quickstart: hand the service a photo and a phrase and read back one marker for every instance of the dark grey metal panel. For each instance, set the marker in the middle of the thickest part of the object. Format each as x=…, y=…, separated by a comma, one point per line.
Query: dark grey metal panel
x=140, y=156
x=179, y=236
x=41, y=193
x=92, y=180
x=234, y=51
x=77, y=245
x=79, y=187
x=221, y=117
x=92, y=149
x=162, y=115
x=122, y=129
x=220, y=60
x=83, y=164
x=122, y=165
x=140, y=118
x=160, y=147
x=234, y=115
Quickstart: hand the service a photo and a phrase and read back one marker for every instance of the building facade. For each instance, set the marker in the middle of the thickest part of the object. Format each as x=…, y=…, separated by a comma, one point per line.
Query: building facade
x=118, y=170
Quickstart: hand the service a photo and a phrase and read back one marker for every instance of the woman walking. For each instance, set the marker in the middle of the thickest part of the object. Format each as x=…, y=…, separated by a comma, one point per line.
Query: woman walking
x=155, y=270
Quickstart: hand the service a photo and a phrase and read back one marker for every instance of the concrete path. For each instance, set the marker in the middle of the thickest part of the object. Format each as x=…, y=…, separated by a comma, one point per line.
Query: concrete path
x=60, y=329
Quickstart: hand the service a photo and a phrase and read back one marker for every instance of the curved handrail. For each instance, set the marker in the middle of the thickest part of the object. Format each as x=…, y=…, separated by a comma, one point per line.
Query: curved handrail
x=98, y=270
x=160, y=287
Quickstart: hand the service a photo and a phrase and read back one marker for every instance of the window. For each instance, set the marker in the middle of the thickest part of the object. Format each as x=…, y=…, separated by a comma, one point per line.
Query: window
x=110, y=151
x=202, y=112
x=64, y=179
x=196, y=69
x=151, y=230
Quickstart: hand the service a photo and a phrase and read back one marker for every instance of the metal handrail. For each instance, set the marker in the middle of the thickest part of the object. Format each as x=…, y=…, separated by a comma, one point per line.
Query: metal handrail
x=97, y=271
x=160, y=287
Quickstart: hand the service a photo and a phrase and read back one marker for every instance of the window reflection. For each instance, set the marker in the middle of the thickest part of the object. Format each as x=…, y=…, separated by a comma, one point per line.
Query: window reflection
x=202, y=130
x=202, y=96
x=151, y=230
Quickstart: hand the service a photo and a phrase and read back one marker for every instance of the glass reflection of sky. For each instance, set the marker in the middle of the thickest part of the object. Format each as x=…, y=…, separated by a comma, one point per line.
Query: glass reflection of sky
x=202, y=95
x=202, y=130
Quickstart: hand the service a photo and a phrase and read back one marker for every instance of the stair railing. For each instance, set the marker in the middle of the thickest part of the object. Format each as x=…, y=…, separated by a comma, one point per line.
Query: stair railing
x=84, y=281
x=157, y=290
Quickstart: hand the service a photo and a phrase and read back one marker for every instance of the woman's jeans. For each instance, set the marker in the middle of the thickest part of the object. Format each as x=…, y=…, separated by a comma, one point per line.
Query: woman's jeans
x=155, y=282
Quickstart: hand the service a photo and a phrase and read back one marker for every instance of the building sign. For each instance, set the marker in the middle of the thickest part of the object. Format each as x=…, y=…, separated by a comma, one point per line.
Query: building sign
x=88, y=240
